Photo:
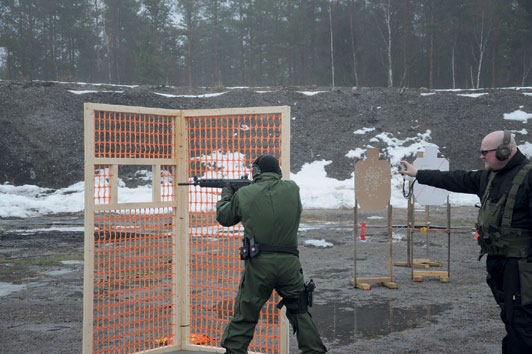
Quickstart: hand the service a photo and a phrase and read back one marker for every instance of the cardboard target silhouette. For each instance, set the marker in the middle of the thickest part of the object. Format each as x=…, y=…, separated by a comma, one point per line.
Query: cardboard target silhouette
x=372, y=192
x=427, y=195
x=372, y=182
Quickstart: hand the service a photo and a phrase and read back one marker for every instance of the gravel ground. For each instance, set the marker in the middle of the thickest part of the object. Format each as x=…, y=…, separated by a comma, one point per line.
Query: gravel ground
x=42, y=312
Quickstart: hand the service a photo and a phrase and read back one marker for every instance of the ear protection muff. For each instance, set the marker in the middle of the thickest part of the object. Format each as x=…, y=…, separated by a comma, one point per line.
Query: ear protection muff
x=255, y=168
x=504, y=150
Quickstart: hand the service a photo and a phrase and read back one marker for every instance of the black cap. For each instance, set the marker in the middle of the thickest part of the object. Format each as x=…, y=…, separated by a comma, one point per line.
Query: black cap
x=266, y=163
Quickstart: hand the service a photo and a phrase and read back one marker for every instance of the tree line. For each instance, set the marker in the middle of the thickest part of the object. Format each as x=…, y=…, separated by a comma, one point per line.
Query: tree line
x=217, y=43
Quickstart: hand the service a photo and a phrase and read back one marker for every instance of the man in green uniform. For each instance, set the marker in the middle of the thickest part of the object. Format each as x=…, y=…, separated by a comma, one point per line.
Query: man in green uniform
x=269, y=209
x=504, y=228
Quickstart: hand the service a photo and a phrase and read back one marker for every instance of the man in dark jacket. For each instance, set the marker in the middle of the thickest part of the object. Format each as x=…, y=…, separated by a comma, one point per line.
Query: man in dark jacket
x=269, y=209
x=504, y=228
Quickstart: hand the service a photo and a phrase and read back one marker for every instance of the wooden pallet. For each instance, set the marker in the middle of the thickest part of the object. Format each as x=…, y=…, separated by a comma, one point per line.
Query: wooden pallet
x=365, y=283
x=418, y=275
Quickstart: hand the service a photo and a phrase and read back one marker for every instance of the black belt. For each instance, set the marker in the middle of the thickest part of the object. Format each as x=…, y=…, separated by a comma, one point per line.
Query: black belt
x=251, y=249
x=279, y=249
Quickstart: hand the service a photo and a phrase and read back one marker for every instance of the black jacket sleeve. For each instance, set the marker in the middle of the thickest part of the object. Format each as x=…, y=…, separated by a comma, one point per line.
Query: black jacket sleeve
x=471, y=182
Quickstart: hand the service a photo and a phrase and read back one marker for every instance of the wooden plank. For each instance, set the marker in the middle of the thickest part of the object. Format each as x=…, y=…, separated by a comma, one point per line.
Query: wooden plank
x=435, y=264
x=363, y=286
x=181, y=261
x=88, y=258
x=364, y=283
x=132, y=161
x=420, y=263
x=374, y=279
x=131, y=109
x=431, y=273
x=136, y=205
x=285, y=141
x=236, y=111
x=360, y=285
x=200, y=350
x=390, y=285
x=443, y=275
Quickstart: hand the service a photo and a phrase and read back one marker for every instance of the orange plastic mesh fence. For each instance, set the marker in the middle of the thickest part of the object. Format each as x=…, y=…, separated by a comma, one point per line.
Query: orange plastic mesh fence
x=133, y=280
x=132, y=249
x=102, y=186
x=224, y=147
x=138, y=135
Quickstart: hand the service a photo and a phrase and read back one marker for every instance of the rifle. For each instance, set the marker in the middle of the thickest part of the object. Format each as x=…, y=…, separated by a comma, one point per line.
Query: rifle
x=218, y=182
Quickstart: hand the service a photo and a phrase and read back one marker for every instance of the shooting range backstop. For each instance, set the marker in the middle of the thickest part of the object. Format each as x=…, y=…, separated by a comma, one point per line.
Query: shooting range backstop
x=160, y=274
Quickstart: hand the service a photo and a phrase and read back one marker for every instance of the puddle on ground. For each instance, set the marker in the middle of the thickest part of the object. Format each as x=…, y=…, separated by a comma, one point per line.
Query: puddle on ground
x=343, y=324
x=8, y=288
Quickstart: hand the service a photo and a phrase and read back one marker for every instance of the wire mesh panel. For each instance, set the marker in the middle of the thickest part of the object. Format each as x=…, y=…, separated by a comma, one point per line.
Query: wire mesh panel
x=160, y=273
x=223, y=146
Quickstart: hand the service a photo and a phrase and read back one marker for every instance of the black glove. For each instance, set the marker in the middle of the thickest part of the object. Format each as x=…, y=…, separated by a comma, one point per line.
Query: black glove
x=228, y=191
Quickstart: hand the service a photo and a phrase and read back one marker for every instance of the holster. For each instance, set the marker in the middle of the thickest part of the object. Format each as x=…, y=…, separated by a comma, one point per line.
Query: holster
x=309, y=289
x=299, y=305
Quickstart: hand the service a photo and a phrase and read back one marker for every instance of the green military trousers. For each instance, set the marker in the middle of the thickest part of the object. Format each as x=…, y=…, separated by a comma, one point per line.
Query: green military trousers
x=263, y=274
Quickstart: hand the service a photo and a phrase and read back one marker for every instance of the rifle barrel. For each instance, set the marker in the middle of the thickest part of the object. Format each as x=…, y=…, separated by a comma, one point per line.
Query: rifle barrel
x=217, y=182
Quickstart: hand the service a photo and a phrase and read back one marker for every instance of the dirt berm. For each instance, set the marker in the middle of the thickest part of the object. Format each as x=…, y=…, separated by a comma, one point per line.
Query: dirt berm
x=42, y=122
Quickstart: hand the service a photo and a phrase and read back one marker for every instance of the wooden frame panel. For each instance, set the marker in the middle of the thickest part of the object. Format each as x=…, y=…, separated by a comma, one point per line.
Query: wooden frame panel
x=143, y=249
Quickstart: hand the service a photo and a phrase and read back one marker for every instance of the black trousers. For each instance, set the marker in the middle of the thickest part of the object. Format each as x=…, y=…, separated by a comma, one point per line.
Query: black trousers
x=503, y=279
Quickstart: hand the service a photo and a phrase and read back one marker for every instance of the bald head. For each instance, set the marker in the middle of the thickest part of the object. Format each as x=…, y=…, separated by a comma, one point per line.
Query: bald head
x=496, y=138
x=489, y=152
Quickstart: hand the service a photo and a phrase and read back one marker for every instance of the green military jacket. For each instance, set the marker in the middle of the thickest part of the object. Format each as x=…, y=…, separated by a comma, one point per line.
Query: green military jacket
x=269, y=209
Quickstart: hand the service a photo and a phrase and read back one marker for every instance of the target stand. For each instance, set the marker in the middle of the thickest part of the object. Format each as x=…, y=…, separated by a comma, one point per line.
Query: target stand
x=427, y=195
x=426, y=263
x=364, y=283
x=372, y=192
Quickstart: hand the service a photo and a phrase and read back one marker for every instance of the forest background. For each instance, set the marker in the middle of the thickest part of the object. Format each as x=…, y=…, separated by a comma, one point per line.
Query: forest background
x=219, y=43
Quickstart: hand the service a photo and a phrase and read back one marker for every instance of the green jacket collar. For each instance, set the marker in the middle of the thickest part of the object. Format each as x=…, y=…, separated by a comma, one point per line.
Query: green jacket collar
x=266, y=176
